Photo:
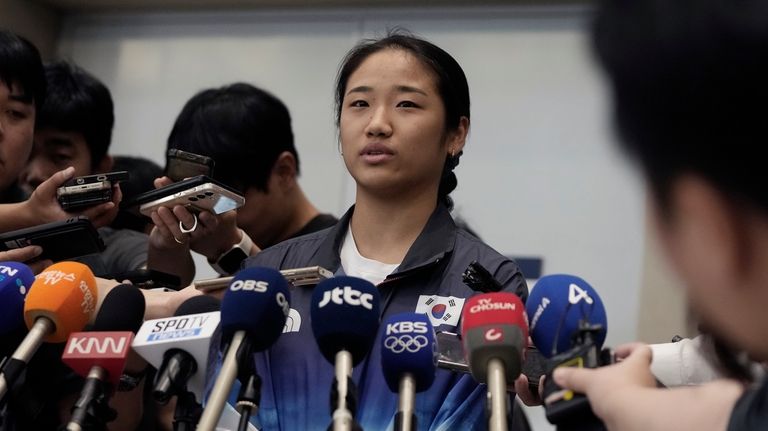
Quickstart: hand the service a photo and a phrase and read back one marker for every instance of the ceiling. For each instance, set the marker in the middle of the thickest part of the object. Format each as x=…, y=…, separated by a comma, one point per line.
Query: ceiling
x=151, y=5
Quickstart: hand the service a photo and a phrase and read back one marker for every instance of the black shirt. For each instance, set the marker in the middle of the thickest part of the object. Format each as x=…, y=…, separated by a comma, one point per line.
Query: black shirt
x=751, y=410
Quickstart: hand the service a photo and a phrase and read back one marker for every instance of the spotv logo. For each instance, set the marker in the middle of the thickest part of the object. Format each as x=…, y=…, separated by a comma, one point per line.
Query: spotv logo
x=347, y=295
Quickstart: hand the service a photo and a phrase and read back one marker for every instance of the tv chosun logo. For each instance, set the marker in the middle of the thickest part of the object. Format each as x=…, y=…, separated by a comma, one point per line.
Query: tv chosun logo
x=402, y=343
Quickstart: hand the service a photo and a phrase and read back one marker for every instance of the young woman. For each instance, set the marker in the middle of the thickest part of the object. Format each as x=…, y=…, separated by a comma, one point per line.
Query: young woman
x=403, y=117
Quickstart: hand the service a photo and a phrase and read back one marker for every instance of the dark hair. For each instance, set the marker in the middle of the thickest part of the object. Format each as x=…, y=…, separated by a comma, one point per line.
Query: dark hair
x=242, y=128
x=143, y=173
x=689, y=84
x=78, y=102
x=450, y=79
x=20, y=65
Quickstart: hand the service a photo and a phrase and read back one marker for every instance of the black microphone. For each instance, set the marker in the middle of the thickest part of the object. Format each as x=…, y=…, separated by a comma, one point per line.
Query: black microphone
x=101, y=354
x=253, y=314
x=345, y=319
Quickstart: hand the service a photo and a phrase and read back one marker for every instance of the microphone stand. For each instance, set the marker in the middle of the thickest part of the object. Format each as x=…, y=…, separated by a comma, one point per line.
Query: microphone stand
x=187, y=412
x=497, y=396
x=405, y=419
x=249, y=396
x=91, y=412
x=343, y=395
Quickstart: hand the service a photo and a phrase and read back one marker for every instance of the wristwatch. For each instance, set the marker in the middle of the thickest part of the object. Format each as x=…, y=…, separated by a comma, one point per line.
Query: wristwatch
x=229, y=261
x=129, y=381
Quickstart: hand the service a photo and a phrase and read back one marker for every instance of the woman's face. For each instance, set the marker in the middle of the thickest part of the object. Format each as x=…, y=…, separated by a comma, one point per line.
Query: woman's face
x=392, y=126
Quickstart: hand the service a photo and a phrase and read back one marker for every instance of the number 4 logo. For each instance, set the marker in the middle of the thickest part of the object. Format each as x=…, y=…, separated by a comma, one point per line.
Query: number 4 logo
x=576, y=294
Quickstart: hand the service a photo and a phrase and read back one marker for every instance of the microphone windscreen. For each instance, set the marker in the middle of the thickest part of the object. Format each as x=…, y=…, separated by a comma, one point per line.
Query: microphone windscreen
x=15, y=281
x=408, y=346
x=557, y=305
x=198, y=304
x=257, y=302
x=345, y=316
x=494, y=326
x=66, y=294
x=121, y=310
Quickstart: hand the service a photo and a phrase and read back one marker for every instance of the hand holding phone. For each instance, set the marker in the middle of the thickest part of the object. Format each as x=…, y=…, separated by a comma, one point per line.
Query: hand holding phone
x=86, y=191
x=197, y=194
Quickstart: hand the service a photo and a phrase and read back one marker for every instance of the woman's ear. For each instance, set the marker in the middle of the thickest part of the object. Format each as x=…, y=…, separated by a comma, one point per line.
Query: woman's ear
x=458, y=137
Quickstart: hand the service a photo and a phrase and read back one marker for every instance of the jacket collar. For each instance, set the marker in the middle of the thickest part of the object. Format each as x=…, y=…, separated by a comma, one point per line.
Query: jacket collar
x=433, y=243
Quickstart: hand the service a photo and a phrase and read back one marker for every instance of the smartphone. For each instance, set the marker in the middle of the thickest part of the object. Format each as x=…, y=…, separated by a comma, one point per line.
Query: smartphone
x=86, y=191
x=297, y=277
x=60, y=240
x=450, y=355
x=183, y=164
x=150, y=279
x=198, y=194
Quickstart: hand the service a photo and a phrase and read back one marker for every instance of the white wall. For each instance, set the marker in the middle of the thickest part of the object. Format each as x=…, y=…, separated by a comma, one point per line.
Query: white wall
x=539, y=175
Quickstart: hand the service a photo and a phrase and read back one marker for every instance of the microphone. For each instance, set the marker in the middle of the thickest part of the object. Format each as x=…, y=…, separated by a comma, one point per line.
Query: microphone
x=253, y=313
x=568, y=325
x=345, y=318
x=494, y=331
x=559, y=306
x=178, y=347
x=409, y=362
x=15, y=281
x=60, y=301
x=100, y=355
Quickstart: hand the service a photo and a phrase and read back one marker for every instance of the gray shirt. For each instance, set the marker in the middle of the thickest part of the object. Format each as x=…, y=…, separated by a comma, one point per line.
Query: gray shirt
x=126, y=250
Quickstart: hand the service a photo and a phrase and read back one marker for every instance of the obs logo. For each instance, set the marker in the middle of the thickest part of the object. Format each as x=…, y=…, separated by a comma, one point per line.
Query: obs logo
x=405, y=343
x=249, y=285
x=282, y=302
x=347, y=295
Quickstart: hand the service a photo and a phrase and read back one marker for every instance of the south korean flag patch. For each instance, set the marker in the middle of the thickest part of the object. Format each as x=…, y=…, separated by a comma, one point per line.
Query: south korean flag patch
x=441, y=310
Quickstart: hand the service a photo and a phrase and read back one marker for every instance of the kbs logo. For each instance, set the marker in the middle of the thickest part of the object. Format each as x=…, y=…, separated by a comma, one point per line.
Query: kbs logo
x=406, y=327
x=405, y=343
x=347, y=295
x=259, y=286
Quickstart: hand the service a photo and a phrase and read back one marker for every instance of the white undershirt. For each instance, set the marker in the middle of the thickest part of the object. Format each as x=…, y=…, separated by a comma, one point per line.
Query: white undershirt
x=356, y=265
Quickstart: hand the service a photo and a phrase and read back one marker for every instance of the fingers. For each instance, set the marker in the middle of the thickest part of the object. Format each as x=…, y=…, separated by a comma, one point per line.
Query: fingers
x=21, y=254
x=48, y=187
x=577, y=379
x=168, y=226
x=187, y=219
x=523, y=390
x=626, y=350
x=162, y=182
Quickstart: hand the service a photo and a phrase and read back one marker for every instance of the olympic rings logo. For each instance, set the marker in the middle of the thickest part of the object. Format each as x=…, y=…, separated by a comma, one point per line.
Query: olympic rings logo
x=405, y=342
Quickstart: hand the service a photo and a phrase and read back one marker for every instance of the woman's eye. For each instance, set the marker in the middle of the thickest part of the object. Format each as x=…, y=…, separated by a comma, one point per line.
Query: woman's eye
x=407, y=104
x=17, y=115
x=358, y=104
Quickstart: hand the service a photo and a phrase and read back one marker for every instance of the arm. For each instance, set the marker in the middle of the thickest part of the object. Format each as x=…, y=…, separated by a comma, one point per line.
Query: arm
x=43, y=207
x=625, y=396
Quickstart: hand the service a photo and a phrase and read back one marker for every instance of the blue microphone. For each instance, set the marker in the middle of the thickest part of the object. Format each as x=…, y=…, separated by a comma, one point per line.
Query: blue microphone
x=559, y=307
x=253, y=313
x=345, y=319
x=15, y=281
x=409, y=362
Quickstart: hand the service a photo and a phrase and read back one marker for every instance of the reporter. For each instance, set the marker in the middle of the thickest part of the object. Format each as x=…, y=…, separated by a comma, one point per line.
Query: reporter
x=688, y=80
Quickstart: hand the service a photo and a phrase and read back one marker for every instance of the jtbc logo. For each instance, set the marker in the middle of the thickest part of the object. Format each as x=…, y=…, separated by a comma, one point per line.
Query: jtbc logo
x=407, y=327
x=254, y=285
x=347, y=294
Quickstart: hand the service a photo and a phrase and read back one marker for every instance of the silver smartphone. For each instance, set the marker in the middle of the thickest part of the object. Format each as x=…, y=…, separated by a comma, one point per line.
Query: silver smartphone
x=297, y=277
x=197, y=194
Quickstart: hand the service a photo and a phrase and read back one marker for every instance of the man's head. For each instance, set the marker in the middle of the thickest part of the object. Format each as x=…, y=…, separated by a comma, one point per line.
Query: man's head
x=247, y=132
x=690, y=90
x=22, y=91
x=74, y=126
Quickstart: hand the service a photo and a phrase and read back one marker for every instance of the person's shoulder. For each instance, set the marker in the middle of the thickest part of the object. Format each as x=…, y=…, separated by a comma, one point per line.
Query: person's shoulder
x=291, y=249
